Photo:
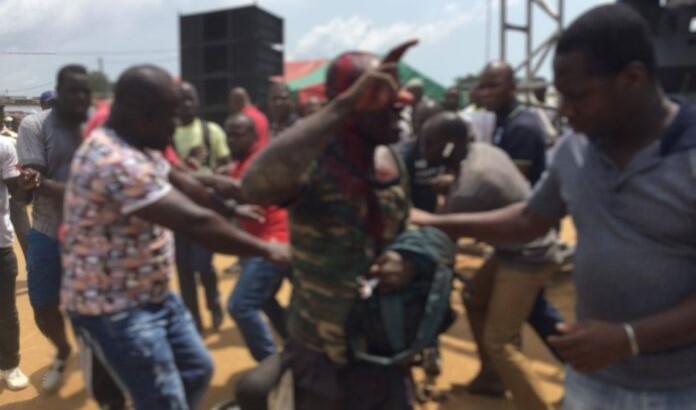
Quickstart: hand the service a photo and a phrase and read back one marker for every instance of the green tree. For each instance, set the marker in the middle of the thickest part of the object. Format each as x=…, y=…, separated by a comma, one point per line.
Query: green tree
x=100, y=84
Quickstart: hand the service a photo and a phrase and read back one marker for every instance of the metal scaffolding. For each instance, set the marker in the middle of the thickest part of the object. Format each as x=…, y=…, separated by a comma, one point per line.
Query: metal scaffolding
x=535, y=55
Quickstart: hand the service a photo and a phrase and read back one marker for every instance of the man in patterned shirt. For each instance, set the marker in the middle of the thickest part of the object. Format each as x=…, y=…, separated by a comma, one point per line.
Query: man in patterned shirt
x=122, y=199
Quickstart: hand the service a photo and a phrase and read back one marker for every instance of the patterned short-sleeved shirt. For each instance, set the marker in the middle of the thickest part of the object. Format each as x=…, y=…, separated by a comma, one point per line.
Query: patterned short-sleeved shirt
x=112, y=259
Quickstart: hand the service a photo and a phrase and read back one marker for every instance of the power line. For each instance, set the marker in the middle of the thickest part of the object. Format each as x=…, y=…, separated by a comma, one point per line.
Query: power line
x=88, y=53
x=31, y=88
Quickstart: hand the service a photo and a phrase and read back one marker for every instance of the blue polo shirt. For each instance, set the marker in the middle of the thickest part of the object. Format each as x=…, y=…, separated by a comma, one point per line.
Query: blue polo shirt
x=636, y=250
x=521, y=135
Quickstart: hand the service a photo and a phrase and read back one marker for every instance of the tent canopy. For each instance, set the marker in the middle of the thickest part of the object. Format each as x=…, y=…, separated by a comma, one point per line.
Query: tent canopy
x=306, y=79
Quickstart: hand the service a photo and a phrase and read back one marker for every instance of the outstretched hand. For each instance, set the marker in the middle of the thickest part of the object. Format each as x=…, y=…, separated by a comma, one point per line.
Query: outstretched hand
x=250, y=212
x=420, y=217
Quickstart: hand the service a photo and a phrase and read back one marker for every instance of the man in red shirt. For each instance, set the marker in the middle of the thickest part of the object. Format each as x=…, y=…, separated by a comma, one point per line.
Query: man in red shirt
x=260, y=278
x=240, y=103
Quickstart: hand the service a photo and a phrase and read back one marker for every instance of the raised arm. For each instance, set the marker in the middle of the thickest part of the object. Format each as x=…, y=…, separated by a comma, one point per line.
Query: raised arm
x=276, y=176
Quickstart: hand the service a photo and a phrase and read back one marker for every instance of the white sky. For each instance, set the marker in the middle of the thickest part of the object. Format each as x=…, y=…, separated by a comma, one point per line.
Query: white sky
x=127, y=32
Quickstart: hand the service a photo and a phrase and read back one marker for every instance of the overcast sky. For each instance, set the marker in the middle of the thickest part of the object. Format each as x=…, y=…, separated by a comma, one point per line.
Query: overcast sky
x=126, y=32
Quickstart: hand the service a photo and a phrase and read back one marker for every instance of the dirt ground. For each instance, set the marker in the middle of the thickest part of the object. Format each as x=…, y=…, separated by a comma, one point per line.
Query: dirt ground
x=460, y=362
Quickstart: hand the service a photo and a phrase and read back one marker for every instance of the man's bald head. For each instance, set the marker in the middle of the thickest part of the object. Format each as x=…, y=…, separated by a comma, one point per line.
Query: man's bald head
x=440, y=131
x=145, y=107
x=501, y=68
x=241, y=135
x=239, y=98
x=144, y=86
x=497, y=86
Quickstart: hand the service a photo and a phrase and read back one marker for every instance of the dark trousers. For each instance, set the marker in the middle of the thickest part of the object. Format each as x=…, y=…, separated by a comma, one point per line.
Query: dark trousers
x=254, y=292
x=192, y=258
x=19, y=215
x=544, y=318
x=99, y=381
x=9, y=322
x=320, y=385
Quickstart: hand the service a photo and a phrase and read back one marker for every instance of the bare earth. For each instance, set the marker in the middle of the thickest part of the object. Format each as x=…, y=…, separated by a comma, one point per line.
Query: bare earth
x=231, y=357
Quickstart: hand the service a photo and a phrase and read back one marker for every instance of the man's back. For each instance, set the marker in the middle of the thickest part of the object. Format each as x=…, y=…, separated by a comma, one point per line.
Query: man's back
x=489, y=180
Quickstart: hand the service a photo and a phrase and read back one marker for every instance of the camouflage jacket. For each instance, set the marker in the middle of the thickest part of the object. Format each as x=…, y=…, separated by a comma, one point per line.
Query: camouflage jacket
x=331, y=247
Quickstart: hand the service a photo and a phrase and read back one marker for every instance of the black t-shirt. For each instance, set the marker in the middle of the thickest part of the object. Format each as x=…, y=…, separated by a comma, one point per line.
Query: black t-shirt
x=521, y=135
x=420, y=176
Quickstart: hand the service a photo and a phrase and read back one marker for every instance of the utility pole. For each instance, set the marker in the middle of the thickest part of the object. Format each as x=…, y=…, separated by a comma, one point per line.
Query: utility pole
x=100, y=64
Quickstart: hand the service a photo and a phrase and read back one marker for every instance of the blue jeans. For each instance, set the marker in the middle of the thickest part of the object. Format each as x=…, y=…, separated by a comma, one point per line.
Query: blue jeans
x=44, y=269
x=154, y=352
x=255, y=292
x=586, y=393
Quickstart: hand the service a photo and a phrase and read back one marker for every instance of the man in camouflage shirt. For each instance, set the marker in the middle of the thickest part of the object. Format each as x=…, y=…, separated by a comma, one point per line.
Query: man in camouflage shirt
x=348, y=201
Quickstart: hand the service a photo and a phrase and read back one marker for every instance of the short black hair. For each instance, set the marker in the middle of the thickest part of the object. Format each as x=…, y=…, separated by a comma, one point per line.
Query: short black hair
x=68, y=70
x=447, y=125
x=239, y=116
x=611, y=36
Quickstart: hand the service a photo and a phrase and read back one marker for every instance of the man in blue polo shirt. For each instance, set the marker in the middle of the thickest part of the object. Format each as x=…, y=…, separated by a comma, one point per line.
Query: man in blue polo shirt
x=627, y=178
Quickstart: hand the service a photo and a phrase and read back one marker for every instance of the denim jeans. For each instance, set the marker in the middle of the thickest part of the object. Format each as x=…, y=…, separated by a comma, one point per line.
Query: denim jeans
x=192, y=258
x=44, y=269
x=9, y=323
x=584, y=392
x=255, y=292
x=154, y=352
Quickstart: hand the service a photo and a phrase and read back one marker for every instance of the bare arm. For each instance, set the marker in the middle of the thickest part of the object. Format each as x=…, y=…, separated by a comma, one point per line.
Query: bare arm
x=223, y=185
x=592, y=345
x=178, y=213
x=276, y=174
x=673, y=327
x=515, y=223
x=53, y=189
x=47, y=187
x=190, y=186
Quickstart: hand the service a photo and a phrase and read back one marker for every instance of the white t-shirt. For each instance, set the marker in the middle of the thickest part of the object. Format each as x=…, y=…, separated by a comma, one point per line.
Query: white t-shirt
x=8, y=169
x=482, y=123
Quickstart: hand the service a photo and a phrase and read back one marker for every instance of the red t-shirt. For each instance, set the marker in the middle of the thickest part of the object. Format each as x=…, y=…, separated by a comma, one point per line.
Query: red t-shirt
x=261, y=125
x=276, y=225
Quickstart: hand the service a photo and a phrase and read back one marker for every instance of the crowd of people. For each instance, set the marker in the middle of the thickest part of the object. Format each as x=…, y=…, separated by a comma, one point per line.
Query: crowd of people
x=359, y=203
